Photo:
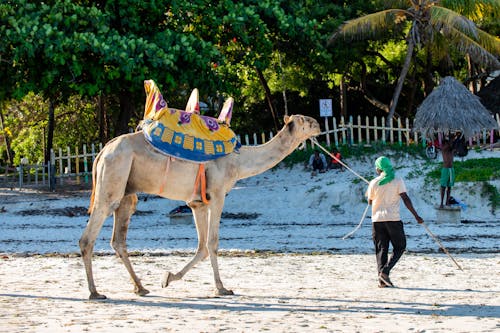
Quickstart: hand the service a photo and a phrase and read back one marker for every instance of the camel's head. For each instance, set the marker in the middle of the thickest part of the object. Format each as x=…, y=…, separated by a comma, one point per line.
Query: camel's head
x=302, y=127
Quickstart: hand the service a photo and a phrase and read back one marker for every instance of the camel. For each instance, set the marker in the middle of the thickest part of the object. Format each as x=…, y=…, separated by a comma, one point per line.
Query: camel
x=128, y=164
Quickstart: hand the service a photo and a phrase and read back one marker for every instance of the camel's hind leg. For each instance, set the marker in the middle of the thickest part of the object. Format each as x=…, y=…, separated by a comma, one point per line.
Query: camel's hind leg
x=118, y=241
x=200, y=213
x=87, y=241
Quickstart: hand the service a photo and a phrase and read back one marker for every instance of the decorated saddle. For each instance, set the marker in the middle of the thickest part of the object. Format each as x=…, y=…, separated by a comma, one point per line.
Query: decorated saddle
x=187, y=134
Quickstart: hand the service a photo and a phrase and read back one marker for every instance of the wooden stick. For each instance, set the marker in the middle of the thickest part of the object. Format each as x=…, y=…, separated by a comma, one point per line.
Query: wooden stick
x=441, y=245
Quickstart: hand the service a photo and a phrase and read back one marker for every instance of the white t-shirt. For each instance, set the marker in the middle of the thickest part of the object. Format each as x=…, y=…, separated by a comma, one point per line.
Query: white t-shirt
x=385, y=199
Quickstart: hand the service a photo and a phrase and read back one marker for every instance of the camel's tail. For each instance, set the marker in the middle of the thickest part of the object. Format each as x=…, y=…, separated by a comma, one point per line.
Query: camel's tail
x=94, y=172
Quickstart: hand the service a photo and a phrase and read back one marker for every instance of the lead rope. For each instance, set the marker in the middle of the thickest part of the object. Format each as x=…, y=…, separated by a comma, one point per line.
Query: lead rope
x=355, y=173
x=366, y=209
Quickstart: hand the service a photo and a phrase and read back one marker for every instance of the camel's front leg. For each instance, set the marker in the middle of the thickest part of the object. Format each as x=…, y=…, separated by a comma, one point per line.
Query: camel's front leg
x=119, y=238
x=200, y=214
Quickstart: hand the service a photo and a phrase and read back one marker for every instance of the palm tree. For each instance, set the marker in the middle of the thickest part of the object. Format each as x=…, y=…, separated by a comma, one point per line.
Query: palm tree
x=427, y=22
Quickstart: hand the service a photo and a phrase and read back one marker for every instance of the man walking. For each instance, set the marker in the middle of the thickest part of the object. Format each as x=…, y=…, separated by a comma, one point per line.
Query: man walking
x=384, y=193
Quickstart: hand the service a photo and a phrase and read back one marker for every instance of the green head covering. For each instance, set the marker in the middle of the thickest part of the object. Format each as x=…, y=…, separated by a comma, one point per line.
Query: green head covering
x=384, y=164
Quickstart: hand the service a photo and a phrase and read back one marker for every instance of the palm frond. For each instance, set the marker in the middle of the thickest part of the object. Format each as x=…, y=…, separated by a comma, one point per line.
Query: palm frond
x=467, y=45
x=370, y=25
x=473, y=9
x=443, y=17
x=489, y=42
x=397, y=3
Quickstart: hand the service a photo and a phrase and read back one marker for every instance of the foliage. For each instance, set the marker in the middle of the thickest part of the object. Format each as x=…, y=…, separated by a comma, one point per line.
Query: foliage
x=26, y=121
x=472, y=170
x=103, y=50
x=490, y=191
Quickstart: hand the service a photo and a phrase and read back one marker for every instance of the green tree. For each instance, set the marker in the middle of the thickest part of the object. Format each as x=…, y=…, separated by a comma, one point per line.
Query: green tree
x=432, y=25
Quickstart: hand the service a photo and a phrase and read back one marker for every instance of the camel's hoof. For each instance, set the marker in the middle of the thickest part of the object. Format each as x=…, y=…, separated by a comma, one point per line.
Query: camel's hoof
x=96, y=295
x=141, y=292
x=166, y=280
x=223, y=292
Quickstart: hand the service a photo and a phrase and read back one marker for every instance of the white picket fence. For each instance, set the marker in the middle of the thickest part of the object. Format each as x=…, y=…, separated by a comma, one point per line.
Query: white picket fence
x=75, y=166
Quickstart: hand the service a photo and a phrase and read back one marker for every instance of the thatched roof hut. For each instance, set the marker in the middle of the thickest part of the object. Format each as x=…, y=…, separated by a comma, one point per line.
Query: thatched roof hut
x=451, y=107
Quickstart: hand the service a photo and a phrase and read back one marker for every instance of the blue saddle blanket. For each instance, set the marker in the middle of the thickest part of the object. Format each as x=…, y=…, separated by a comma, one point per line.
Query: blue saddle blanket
x=190, y=136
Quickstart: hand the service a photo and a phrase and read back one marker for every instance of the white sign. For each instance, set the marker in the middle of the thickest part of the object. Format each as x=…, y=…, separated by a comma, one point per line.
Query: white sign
x=325, y=107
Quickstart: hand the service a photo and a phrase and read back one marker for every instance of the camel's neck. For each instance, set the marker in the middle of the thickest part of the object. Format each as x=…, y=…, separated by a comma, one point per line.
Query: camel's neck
x=257, y=159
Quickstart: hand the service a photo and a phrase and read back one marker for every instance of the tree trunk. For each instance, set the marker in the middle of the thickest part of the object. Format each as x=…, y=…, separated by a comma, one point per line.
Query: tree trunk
x=284, y=86
x=6, y=137
x=126, y=112
x=428, y=79
x=268, y=97
x=102, y=120
x=50, y=132
x=343, y=97
x=402, y=76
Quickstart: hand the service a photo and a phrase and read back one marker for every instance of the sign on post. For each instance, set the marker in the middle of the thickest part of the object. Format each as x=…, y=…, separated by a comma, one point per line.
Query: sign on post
x=325, y=110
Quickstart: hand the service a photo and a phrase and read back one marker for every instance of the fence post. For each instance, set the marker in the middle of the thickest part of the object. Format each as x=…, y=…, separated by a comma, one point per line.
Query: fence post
x=367, y=120
x=359, y=130
x=391, y=130
x=61, y=170
x=335, y=132
x=68, y=161
x=77, y=165
x=492, y=135
x=327, y=129
x=400, y=140
x=383, y=130
x=20, y=168
x=85, y=165
x=52, y=170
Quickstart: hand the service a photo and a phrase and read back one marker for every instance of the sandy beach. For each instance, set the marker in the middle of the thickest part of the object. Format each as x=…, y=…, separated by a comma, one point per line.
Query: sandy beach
x=275, y=292
x=282, y=253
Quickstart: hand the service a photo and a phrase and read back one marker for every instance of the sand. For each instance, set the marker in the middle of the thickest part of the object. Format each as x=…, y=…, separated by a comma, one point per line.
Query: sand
x=273, y=292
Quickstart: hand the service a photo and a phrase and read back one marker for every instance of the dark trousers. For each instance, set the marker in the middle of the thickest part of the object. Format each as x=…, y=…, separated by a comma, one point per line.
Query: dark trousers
x=383, y=233
x=317, y=165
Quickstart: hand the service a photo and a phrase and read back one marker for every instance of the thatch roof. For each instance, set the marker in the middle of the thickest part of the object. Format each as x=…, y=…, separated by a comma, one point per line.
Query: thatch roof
x=451, y=107
x=490, y=95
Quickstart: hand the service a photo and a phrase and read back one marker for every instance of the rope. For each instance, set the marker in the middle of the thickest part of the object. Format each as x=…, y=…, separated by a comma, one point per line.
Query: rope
x=343, y=164
x=359, y=225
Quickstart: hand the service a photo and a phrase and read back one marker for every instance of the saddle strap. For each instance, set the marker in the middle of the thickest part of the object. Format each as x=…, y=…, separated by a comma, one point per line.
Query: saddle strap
x=164, y=180
x=201, y=178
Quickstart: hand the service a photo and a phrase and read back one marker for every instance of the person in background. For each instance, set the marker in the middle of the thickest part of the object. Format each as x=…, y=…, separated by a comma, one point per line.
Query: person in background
x=317, y=162
x=384, y=194
x=334, y=162
x=447, y=179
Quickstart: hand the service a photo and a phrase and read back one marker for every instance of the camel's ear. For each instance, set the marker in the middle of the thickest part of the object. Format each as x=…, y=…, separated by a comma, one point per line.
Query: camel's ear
x=193, y=104
x=226, y=112
x=287, y=119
